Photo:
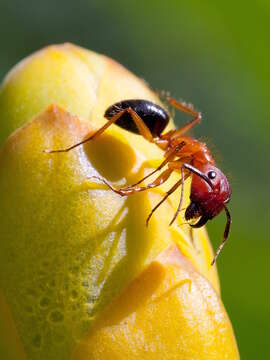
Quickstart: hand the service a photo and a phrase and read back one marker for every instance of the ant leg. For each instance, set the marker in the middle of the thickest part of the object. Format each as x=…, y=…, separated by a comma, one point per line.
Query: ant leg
x=176, y=185
x=169, y=157
x=154, y=171
x=143, y=129
x=226, y=234
x=181, y=196
x=187, y=109
x=130, y=190
x=91, y=137
x=159, y=181
x=180, y=105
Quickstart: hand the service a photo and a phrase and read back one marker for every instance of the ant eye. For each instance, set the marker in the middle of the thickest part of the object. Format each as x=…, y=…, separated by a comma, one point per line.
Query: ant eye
x=212, y=174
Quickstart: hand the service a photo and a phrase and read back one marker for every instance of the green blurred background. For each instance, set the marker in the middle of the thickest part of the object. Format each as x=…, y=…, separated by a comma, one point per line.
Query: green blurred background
x=214, y=54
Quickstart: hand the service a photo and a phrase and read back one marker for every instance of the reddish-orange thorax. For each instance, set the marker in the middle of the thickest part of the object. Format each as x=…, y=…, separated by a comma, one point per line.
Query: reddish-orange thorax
x=196, y=150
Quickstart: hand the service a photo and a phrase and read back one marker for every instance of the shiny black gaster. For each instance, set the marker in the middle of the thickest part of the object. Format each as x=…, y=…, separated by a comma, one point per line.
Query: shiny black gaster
x=153, y=115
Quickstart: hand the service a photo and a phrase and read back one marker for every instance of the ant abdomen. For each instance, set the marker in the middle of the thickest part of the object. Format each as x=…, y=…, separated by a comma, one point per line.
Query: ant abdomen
x=153, y=115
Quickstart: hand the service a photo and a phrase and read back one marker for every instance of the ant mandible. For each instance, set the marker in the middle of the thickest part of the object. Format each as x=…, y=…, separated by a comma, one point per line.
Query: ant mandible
x=210, y=189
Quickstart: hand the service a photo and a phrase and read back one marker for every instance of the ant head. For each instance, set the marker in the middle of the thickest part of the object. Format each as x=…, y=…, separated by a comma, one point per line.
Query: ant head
x=208, y=197
x=210, y=192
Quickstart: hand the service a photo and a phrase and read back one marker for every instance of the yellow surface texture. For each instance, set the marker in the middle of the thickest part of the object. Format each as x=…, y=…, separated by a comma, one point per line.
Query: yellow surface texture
x=168, y=312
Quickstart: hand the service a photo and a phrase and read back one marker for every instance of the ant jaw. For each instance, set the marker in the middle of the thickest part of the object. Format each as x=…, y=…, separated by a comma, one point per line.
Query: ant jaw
x=192, y=211
x=202, y=221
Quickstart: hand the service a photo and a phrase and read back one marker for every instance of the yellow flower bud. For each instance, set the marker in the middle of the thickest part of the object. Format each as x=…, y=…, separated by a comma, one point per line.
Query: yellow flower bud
x=81, y=274
x=169, y=312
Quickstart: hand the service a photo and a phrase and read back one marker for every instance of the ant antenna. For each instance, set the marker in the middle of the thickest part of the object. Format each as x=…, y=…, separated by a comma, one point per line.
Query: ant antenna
x=199, y=173
x=226, y=234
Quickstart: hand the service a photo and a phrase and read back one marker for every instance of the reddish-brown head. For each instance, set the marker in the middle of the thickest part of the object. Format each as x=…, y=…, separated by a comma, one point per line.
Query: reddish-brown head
x=210, y=192
x=207, y=201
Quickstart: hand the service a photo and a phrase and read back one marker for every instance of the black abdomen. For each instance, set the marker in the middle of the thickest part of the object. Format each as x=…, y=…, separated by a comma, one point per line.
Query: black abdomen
x=153, y=115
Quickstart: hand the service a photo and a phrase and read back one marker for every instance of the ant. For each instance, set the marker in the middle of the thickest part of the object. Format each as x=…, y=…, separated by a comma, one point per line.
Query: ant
x=210, y=189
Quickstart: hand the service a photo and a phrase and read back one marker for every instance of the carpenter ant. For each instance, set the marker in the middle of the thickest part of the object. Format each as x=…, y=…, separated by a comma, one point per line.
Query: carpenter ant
x=210, y=189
